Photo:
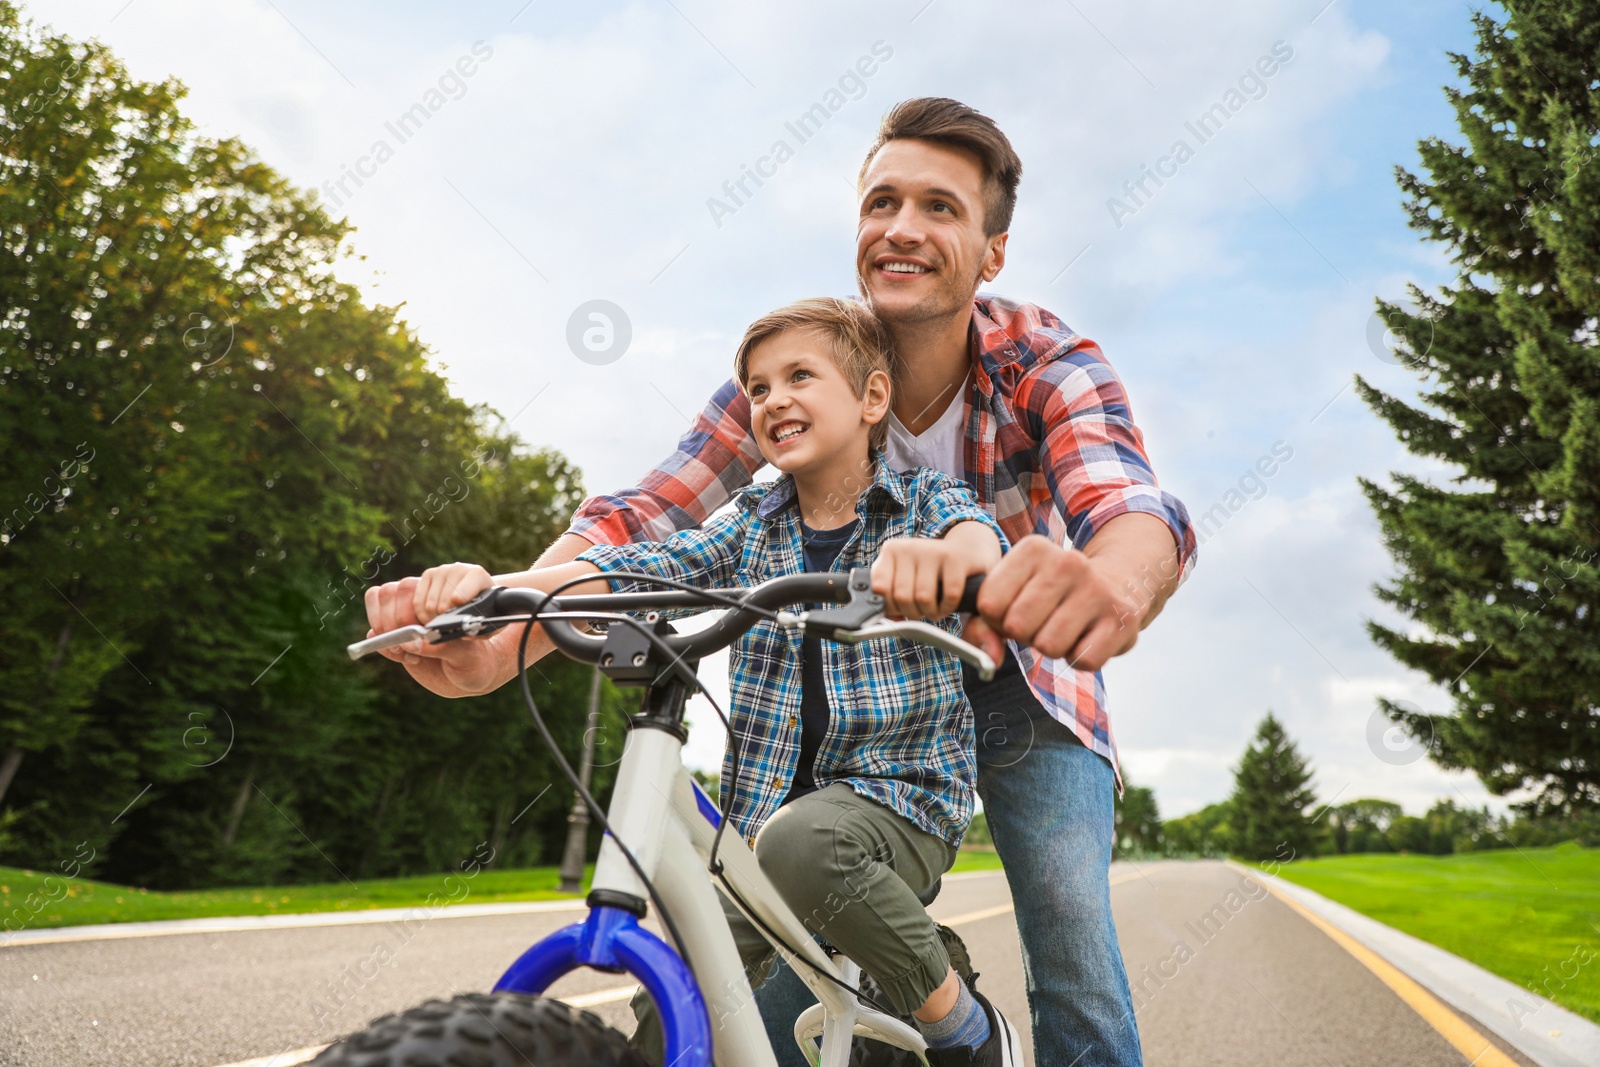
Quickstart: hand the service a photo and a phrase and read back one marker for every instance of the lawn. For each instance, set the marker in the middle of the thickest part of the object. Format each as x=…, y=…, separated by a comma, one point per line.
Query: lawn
x=976, y=859
x=36, y=900
x=76, y=901
x=1531, y=916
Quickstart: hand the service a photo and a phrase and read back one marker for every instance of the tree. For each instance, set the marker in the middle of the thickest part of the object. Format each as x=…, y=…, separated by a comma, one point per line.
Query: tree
x=1363, y=825
x=1267, y=810
x=1202, y=833
x=1501, y=572
x=1138, y=819
x=213, y=446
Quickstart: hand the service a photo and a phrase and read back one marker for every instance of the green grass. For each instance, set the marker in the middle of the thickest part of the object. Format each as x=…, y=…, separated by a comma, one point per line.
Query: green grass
x=35, y=900
x=39, y=900
x=1531, y=916
x=31, y=899
x=976, y=859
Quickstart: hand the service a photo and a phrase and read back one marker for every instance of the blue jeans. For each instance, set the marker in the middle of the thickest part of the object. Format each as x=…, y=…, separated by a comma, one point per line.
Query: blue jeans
x=1049, y=803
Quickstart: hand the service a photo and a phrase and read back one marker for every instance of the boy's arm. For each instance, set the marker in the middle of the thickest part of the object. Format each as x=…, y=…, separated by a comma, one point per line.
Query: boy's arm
x=704, y=558
x=482, y=665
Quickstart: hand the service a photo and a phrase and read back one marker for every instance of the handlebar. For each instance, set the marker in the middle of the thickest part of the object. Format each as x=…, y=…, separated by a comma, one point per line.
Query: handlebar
x=859, y=619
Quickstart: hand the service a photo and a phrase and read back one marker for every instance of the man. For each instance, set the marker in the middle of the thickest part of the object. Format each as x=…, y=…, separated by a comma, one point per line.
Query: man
x=1007, y=398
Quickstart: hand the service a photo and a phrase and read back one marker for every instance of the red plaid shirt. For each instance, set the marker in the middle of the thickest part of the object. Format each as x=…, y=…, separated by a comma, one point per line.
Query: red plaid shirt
x=1051, y=448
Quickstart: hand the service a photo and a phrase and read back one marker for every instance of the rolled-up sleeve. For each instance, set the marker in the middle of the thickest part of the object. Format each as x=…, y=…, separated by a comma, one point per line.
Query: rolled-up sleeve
x=1092, y=453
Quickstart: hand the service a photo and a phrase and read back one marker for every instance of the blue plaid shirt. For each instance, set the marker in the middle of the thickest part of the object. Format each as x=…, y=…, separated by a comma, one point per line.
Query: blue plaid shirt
x=901, y=730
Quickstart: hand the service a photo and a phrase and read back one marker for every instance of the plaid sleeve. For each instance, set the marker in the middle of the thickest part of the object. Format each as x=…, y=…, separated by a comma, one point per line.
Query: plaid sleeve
x=715, y=459
x=1091, y=452
x=943, y=502
x=706, y=558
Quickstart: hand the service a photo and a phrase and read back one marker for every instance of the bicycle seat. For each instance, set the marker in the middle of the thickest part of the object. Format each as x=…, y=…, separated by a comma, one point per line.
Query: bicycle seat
x=930, y=894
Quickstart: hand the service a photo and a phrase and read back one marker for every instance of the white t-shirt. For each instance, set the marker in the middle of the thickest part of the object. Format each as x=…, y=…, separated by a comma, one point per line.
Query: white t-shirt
x=941, y=446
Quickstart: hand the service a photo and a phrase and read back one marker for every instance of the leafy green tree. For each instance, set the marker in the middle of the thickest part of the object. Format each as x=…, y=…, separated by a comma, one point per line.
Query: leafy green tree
x=1202, y=833
x=1362, y=825
x=1267, y=810
x=1500, y=570
x=218, y=445
x=1138, y=819
x=1455, y=829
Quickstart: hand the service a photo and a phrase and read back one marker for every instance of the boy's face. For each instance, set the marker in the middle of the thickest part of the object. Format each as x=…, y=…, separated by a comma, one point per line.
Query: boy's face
x=803, y=412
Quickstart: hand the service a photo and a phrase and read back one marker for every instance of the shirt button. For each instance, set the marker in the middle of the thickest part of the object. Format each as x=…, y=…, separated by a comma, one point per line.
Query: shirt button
x=794, y=720
x=776, y=781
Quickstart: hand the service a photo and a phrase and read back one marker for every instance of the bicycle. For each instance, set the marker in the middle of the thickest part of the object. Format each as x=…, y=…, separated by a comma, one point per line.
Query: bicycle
x=671, y=854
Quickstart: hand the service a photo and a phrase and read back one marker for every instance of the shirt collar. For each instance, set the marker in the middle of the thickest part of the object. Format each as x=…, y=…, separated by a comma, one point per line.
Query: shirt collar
x=885, y=483
x=1004, y=332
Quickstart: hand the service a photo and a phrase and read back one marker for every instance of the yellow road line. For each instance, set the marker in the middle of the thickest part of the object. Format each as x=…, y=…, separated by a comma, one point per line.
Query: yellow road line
x=1478, y=1050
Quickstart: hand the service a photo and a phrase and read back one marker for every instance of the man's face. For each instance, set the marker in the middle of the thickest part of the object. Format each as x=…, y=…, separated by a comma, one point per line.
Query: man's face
x=920, y=248
x=802, y=409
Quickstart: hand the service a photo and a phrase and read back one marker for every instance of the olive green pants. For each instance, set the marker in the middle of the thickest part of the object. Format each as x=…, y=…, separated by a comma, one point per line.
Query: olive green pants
x=850, y=869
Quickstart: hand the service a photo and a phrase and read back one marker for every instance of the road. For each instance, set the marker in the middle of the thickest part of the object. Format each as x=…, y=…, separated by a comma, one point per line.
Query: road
x=1222, y=973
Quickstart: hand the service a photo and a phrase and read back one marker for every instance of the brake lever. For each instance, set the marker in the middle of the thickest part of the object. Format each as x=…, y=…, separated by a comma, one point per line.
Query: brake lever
x=472, y=619
x=403, y=636
x=924, y=633
x=864, y=606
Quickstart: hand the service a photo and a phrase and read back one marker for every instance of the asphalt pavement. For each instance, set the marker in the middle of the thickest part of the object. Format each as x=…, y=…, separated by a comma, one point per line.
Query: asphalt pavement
x=1222, y=973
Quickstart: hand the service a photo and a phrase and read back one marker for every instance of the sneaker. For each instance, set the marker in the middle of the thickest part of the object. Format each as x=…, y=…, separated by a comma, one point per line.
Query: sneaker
x=1003, y=1049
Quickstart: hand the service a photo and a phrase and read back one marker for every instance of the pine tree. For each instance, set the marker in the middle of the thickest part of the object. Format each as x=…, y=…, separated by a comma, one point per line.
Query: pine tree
x=1502, y=572
x=1267, y=812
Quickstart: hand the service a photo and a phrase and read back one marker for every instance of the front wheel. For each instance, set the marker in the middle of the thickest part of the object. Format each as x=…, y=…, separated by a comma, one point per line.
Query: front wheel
x=485, y=1030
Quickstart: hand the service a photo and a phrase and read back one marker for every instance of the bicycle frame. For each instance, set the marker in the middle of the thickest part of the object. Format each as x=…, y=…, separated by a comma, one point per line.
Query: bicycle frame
x=668, y=822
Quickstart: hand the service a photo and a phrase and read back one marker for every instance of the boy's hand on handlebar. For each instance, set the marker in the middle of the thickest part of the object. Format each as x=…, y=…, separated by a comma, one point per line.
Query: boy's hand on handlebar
x=450, y=586
x=922, y=577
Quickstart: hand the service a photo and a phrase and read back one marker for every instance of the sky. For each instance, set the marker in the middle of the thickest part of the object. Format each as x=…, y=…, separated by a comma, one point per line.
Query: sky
x=507, y=163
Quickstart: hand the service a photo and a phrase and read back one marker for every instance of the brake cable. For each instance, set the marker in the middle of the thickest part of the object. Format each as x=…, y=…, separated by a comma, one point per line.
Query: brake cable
x=714, y=867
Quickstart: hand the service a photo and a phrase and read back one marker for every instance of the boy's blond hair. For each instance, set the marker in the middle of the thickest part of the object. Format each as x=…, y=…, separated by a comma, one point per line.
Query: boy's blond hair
x=859, y=342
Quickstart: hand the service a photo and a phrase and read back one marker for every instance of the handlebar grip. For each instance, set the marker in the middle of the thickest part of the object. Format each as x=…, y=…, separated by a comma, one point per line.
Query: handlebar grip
x=969, y=594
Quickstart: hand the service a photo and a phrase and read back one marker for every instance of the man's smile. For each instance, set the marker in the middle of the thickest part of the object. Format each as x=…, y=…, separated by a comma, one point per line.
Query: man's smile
x=901, y=266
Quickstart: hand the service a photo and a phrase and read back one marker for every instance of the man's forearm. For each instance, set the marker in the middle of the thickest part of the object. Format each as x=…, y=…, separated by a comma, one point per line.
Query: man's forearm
x=564, y=549
x=1135, y=552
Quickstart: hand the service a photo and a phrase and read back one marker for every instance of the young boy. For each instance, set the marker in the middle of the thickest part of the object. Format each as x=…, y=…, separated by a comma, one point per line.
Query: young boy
x=856, y=770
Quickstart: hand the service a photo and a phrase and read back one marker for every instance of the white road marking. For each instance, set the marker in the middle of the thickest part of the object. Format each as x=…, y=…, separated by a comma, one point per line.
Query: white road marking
x=583, y=1000
x=282, y=1059
x=236, y=924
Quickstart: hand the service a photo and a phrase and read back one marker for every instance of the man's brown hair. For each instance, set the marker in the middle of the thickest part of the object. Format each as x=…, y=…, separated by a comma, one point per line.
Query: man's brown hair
x=954, y=124
x=858, y=342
